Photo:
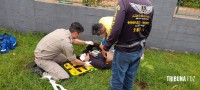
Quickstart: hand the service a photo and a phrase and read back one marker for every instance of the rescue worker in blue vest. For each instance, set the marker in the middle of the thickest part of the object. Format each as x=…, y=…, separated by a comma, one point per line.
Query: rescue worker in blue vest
x=131, y=26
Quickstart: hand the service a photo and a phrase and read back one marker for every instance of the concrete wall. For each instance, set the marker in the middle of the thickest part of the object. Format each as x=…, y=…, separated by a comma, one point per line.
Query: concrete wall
x=173, y=33
x=168, y=32
x=184, y=35
x=17, y=14
x=30, y=15
x=50, y=16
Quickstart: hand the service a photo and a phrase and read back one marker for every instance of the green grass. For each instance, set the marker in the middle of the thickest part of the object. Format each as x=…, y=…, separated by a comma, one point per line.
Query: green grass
x=189, y=3
x=14, y=75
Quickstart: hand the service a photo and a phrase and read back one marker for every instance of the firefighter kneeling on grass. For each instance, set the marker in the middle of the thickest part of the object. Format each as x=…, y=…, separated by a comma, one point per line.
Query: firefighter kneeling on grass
x=56, y=47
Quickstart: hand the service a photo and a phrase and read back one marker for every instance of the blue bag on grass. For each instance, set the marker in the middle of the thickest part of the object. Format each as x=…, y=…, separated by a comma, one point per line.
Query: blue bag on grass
x=7, y=43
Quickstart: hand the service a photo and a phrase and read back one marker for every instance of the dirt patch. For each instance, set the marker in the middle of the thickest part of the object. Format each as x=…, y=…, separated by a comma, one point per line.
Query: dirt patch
x=143, y=85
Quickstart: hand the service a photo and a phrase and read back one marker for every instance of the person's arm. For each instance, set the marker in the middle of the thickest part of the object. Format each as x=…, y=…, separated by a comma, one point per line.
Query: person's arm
x=117, y=25
x=103, y=41
x=79, y=62
x=101, y=46
x=110, y=56
x=81, y=42
x=69, y=52
x=78, y=41
x=85, y=62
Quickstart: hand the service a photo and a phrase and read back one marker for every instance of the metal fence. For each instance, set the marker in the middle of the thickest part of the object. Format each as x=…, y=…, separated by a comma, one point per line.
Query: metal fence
x=107, y=4
x=187, y=10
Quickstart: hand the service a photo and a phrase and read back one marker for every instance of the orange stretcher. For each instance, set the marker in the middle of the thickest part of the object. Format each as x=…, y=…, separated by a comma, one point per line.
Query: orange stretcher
x=78, y=70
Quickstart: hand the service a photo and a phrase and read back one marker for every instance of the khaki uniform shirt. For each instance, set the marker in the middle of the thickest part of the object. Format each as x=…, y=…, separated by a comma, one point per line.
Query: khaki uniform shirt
x=55, y=43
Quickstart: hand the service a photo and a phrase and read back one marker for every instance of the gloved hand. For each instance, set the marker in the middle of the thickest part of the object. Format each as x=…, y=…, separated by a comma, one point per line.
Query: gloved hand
x=88, y=64
x=89, y=42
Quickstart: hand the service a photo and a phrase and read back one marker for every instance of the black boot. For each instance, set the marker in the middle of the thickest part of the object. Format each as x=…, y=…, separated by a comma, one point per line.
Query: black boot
x=38, y=70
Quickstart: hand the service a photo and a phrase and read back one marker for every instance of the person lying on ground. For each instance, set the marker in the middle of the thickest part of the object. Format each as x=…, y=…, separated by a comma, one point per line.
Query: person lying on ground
x=93, y=53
